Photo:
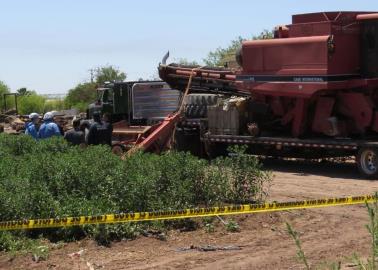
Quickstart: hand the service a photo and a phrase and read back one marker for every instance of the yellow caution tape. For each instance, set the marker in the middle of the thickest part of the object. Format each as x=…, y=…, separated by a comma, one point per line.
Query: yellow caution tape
x=180, y=214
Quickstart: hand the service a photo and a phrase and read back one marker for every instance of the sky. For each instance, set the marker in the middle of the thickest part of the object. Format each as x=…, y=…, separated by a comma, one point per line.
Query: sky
x=50, y=46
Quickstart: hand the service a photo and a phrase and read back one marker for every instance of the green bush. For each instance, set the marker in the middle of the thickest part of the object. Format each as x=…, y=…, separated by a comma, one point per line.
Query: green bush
x=4, y=89
x=244, y=175
x=31, y=103
x=49, y=178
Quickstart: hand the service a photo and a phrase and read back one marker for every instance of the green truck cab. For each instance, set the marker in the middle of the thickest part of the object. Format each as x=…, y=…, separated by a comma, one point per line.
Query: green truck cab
x=137, y=102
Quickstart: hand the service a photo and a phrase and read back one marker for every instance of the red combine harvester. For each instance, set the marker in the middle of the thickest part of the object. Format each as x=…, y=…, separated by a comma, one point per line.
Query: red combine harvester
x=311, y=91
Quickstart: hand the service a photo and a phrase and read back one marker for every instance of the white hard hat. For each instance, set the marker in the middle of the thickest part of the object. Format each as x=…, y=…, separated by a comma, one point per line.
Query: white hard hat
x=48, y=116
x=33, y=115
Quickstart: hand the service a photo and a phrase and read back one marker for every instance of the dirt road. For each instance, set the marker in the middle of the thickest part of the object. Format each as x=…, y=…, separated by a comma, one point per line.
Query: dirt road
x=328, y=234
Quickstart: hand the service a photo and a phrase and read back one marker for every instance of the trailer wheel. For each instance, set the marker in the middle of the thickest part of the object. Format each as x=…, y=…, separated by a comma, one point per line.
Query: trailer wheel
x=214, y=150
x=367, y=162
x=188, y=140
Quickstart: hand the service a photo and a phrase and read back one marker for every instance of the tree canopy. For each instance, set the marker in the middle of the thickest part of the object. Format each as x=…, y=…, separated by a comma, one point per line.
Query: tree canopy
x=81, y=95
x=84, y=93
x=23, y=91
x=186, y=62
x=217, y=57
x=109, y=73
x=3, y=90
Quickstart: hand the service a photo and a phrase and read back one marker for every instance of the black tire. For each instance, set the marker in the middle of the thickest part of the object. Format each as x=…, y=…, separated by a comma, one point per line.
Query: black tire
x=188, y=140
x=367, y=162
x=196, y=105
x=118, y=149
x=214, y=150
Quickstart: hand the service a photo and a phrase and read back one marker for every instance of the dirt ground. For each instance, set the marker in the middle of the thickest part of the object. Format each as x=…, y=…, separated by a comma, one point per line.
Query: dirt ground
x=328, y=234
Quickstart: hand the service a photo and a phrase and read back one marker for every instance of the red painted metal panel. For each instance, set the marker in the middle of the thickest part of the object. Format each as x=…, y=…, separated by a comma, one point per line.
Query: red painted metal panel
x=323, y=112
x=342, y=17
x=363, y=17
x=358, y=107
x=279, y=56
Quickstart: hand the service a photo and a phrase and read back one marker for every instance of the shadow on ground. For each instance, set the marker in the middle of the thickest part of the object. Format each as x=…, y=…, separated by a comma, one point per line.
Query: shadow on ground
x=327, y=168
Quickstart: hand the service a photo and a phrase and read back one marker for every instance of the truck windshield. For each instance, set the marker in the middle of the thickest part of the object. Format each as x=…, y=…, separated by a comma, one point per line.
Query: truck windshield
x=107, y=95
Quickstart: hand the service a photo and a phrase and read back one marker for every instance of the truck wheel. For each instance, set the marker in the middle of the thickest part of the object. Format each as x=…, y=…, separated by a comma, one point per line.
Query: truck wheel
x=367, y=162
x=118, y=149
x=188, y=140
x=214, y=150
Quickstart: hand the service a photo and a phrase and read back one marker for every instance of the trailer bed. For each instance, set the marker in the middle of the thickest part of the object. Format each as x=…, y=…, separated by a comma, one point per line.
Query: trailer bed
x=349, y=144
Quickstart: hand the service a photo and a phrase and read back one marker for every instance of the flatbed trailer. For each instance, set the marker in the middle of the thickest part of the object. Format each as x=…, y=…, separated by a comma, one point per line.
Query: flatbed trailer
x=280, y=143
x=364, y=151
x=213, y=145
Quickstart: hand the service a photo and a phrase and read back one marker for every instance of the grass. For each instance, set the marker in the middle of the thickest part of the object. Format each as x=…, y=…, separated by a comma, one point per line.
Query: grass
x=300, y=253
x=370, y=263
x=232, y=226
x=208, y=224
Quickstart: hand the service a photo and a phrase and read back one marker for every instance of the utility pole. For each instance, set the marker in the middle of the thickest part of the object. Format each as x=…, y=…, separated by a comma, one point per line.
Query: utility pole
x=92, y=74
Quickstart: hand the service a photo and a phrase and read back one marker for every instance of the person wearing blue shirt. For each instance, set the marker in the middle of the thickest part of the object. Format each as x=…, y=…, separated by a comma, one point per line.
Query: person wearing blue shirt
x=48, y=128
x=30, y=127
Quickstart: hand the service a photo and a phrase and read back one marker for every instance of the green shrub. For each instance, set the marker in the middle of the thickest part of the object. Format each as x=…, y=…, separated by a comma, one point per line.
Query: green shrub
x=49, y=178
x=232, y=226
x=11, y=146
x=4, y=89
x=244, y=175
x=31, y=103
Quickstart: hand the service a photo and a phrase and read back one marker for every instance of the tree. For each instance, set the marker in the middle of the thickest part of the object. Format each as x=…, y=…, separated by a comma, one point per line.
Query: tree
x=186, y=62
x=221, y=56
x=109, y=74
x=4, y=89
x=217, y=57
x=266, y=34
x=25, y=92
x=85, y=93
x=80, y=96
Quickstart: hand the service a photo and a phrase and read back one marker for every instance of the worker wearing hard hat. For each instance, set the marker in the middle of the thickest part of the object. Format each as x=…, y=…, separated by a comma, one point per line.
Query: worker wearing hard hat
x=49, y=128
x=30, y=127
